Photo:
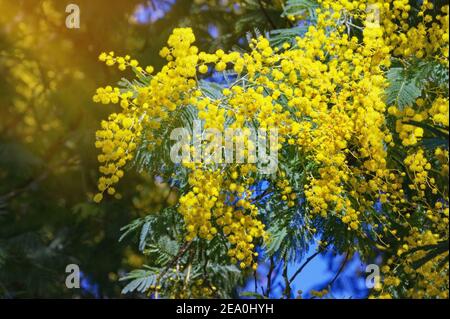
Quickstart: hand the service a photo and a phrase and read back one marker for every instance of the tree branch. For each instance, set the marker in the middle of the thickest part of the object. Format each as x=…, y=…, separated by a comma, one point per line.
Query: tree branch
x=287, y=288
x=266, y=15
x=340, y=270
x=299, y=270
x=181, y=252
x=269, y=276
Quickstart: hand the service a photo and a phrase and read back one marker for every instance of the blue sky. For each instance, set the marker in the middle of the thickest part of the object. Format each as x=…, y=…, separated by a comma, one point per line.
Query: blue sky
x=148, y=13
x=318, y=272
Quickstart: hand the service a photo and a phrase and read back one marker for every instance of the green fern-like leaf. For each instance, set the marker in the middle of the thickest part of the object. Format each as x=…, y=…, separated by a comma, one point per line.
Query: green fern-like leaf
x=144, y=232
x=280, y=36
x=277, y=235
x=141, y=280
x=402, y=90
x=300, y=8
x=163, y=251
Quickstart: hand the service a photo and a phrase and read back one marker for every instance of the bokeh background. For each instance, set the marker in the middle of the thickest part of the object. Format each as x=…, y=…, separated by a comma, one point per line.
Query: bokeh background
x=48, y=163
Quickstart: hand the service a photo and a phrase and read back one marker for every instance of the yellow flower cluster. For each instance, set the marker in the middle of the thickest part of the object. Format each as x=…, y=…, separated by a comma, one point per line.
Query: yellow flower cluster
x=117, y=139
x=429, y=37
x=419, y=166
x=286, y=192
x=325, y=93
x=205, y=207
x=208, y=206
x=123, y=62
x=408, y=133
x=430, y=279
x=197, y=205
x=411, y=134
x=439, y=111
x=180, y=287
x=147, y=106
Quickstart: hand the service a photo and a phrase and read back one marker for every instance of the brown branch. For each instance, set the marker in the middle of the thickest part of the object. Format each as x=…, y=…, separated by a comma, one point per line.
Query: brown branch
x=26, y=186
x=299, y=270
x=287, y=288
x=340, y=270
x=269, y=277
x=183, y=249
x=51, y=152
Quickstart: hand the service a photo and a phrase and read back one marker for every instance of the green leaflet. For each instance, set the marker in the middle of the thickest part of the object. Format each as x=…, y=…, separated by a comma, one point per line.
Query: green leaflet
x=409, y=81
x=301, y=7
x=402, y=90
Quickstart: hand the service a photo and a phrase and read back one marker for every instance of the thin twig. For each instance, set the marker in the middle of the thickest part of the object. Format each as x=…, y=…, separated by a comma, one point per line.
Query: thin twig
x=340, y=270
x=180, y=254
x=51, y=152
x=269, y=276
x=27, y=185
x=287, y=288
x=299, y=270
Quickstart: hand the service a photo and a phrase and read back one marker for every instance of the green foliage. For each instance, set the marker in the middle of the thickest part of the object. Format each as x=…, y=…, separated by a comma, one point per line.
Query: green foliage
x=18, y=161
x=141, y=280
x=280, y=36
x=435, y=136
x=301, y=8
x=402, y=90
x=161, y=241
x=410, y=80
